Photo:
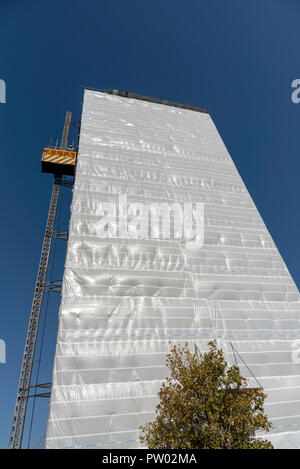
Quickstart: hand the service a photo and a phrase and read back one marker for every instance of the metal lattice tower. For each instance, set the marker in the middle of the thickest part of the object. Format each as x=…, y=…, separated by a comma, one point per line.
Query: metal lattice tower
x=28, y=356
x=18, y=424
x=65, y=135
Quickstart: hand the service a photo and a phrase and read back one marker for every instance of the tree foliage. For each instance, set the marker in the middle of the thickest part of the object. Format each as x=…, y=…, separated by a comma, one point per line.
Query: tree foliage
x=205, y=404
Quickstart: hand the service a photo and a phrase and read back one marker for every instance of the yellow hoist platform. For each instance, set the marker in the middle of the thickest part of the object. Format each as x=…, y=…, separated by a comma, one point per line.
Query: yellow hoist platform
x=58, y=161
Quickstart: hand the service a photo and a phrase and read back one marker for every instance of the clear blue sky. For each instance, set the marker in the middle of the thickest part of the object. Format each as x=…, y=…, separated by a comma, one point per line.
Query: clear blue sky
x=236, y=58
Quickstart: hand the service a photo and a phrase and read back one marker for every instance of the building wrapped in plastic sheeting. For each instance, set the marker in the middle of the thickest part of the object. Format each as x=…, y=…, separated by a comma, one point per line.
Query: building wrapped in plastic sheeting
x=127, y=299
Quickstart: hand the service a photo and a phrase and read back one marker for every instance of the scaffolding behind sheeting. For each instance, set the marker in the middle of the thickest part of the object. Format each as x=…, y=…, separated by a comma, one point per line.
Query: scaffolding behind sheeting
x=126, y=301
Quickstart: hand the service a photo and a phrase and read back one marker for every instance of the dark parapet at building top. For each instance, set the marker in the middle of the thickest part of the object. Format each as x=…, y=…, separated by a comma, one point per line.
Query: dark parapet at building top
x=125, y=94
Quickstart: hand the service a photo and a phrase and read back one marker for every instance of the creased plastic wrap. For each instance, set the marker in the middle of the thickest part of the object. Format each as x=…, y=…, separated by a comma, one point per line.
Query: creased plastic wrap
x=126, y=301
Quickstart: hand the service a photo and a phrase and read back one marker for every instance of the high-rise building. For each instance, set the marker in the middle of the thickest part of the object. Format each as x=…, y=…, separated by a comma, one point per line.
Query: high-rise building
x=130, y=292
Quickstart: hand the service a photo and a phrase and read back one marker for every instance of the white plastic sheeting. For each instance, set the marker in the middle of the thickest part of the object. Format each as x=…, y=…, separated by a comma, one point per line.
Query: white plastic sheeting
x=123, y=300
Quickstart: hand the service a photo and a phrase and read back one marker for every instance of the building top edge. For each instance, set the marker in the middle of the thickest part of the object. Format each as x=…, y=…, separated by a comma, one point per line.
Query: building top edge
x=125, y=94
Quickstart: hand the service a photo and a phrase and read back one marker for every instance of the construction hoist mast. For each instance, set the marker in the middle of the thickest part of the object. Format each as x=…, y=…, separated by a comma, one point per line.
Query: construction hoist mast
x=58, y=161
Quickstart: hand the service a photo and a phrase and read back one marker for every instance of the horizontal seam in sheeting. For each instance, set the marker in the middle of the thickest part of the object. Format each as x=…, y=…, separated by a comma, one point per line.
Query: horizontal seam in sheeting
x=145, y=134
x=174, y=259
x=135, y=367
x=111, y=134
x=162, y=243
x=86, y=178
x=121, y=383
x=115, y=146
x=224, y=174
x=236, y=341
x=79, y=386
x=227, y=176
x=210, y=230
x=132, y=169
x=179, y=328
x=127, y=356
x=89, y=162
x=179, y=256
x=76, y=387
x=127, y=142
x=282, y=402
x=209, y=227
x=176, y=265
x=243, y=352
x=273, y=434
x=196, y=305
x=102, y=415
x=74, y=295
x=228, y=272
x=228, y=165
x=134, y=354
x=212, y=209
x=155, y=307
x=157, y=241
x=149, y=355
x=183, y=288
x=176, y=254
x=106, y=443
x=221, y=205
x=228, y=336
x=275, y=389
x=92, y=434
x=220, y=336
x=160, y=311
x=231, y=310
x=107, y=369
x=109, y=116
x=234, y=205
x=183, y=188
x=218, y=317
x=151, y=185
x=210, y=214
x=285, y=417
x=183, y=340
x=177, y=270
x=225, y=162
x=173, y=277
x=70, y=401
x=178, y=298
x=223, y=157
x=125, y=162
x=205, y=288
x=114, y=384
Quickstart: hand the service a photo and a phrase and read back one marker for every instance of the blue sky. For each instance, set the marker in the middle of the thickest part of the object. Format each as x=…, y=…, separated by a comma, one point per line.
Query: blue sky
x=236, y=58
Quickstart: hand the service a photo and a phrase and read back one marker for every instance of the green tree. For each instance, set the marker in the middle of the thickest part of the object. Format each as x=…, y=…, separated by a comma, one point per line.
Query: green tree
x=205, y=404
